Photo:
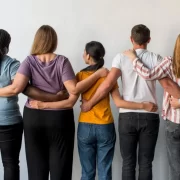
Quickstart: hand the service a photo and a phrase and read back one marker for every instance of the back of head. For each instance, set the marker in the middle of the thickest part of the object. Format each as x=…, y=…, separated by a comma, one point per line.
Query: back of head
x=45, y=41
x=140, y=34
x=96, y=51
x=176, y=58
x=5, y=40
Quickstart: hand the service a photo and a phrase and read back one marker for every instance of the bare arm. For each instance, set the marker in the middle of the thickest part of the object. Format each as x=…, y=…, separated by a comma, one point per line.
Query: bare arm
x=84, y=85
x=120, y=103
x=19, y=83
x=171, y=87
x=69, y=103
x=40, y=95
x=103, y=89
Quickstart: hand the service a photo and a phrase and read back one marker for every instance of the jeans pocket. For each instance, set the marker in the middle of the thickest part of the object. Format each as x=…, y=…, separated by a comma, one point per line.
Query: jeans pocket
x=106, y=133
x=83, y=131
x=125, y=124
x=172, y=130
x=152, y=124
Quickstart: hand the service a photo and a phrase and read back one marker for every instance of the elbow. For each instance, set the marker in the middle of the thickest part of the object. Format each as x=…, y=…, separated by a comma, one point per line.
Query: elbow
x=15, y=91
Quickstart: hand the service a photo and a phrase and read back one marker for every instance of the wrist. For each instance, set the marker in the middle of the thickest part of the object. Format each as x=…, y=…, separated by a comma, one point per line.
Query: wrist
x=142, y=106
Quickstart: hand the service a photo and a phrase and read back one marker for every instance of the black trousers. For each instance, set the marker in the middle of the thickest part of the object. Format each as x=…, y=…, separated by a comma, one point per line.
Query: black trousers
x=49, y=143
x=138, y=129
x=10, y=145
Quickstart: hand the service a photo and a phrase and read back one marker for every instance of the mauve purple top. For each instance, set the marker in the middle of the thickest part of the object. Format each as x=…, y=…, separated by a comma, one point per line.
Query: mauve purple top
x=47, y=76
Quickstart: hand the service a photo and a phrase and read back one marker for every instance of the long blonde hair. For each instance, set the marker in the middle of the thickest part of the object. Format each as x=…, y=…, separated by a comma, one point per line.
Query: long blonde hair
x=45, y=41
x=176, y=58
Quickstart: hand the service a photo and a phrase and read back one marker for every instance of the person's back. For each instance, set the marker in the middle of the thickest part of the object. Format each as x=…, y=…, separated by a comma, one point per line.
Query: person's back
x=134, y=87
x=9, y=108
x=101, y=112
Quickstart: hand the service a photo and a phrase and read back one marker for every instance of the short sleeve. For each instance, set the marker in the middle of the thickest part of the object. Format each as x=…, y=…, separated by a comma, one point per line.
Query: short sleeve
x=25, y=68
x=14, y=68
x=117, y=61
x=67, y=71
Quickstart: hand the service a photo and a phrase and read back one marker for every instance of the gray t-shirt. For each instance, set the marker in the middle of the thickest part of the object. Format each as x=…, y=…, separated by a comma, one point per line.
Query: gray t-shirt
x=50, y=76
x=9, y=108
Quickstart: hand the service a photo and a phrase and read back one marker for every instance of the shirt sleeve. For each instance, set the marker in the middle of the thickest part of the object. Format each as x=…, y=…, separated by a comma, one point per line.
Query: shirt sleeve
x=158, y=72
x=67, y=71
x=14, y=68
x=78, y=76
x=25, y=68
x=117, y=62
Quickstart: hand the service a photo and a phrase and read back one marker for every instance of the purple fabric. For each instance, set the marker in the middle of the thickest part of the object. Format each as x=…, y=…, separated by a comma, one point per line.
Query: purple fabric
x=47, y=76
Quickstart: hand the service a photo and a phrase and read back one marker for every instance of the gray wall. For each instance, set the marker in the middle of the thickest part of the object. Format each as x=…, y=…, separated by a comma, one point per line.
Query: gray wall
x=80, y=21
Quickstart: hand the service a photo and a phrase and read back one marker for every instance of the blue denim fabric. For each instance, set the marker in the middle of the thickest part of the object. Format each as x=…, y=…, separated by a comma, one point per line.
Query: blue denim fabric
x=96, y=145
x=173, y=148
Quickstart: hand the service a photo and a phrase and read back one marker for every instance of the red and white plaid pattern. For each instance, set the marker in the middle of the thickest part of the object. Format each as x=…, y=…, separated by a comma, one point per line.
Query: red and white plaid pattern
x=164, y=69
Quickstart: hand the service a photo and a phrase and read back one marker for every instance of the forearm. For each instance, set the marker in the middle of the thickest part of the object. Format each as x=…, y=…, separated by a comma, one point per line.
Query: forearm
x=40, y=95
x=9, y=91
x=158, y=72
x=84, y=85
x=171, y=87
x=69, y=103
x=120, y=103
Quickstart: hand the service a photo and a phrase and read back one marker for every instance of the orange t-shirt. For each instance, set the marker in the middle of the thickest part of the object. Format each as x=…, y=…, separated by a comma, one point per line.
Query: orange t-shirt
x=101, y=112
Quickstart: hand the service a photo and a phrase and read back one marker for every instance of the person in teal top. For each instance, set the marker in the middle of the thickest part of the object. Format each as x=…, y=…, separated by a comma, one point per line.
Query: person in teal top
x=9, y=108
x=11, y=127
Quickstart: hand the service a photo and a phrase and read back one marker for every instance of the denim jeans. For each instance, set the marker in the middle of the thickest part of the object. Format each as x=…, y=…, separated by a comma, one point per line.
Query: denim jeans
x=172, y=131
x=96, y=144
x=10, y=145
x=138, y=129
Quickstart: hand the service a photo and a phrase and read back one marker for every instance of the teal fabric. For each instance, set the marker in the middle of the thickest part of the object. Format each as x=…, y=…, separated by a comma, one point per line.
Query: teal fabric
x=9, y=108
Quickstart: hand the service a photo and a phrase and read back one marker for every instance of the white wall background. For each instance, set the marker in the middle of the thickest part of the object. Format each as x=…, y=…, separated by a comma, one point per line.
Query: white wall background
x=80, y=21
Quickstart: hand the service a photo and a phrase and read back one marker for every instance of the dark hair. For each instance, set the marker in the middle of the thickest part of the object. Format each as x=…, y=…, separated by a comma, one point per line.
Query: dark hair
x=45, y=41
x=96, y=51
x=140, y=34
x=5, y=40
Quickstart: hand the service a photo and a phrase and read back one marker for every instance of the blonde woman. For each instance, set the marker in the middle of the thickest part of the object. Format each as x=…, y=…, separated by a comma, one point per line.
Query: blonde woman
x=170, y=67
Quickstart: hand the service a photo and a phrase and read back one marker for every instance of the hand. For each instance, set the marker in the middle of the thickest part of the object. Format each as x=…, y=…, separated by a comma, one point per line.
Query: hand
x=62, y=95
x=131, y=54
x=174, y=103
x=85, y=106
x=102, y=72
x=149, y=106
x=37, y=104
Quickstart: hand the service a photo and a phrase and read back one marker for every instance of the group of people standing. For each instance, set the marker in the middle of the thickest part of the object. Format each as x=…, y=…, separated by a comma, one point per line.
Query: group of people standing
x=53, y=88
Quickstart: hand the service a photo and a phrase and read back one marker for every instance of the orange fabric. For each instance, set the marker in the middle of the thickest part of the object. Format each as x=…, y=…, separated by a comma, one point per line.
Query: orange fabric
x=101, y=112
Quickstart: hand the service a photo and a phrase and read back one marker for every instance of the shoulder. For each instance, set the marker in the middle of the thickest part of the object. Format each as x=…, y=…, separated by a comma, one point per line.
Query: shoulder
x=8, y=61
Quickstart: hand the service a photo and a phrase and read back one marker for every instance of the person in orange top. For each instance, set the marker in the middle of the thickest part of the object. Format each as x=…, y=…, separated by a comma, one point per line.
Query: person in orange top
x=96, y=133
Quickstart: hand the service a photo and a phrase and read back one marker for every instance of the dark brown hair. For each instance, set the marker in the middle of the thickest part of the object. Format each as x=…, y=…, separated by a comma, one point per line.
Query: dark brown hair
x=45, y=41
x=5, y=40
x=97, y=51
x=140, y=34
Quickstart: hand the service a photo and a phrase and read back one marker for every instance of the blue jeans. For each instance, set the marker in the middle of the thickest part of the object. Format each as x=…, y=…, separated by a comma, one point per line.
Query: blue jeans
x=173, y=148
x=96, y=144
